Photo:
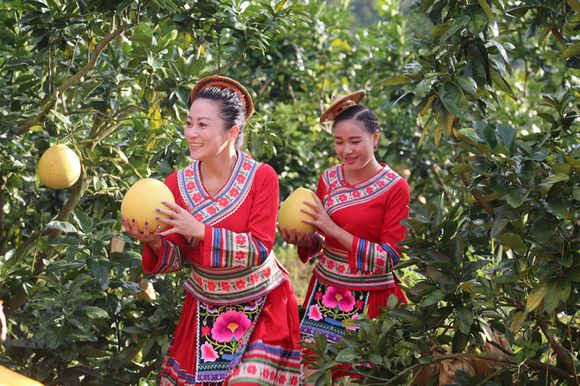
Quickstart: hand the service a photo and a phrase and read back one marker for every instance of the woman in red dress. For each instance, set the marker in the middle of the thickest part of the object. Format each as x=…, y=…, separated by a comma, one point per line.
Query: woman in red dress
x=358, y=212
x=239, y=324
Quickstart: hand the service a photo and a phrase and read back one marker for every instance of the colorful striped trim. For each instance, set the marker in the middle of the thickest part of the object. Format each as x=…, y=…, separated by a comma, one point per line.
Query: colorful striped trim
x=234, y=285
x=334, y=268
x=264, y=364
x=340, y=195
x=210, y=210
x=171, y=260
x=230, y=249
x=374, y=257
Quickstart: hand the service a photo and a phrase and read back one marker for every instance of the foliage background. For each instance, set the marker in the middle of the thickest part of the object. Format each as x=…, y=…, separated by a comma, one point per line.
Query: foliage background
x=478, y=102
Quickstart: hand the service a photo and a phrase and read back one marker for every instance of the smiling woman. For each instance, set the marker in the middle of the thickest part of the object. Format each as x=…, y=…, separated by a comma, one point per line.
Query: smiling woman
x=239, y=324
x=357, y=210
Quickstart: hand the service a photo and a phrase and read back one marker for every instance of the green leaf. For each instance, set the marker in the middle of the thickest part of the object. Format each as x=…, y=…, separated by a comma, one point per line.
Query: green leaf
x=550, y=181
x=395, y=81
x=506, y=135
x=501, y=83
x=515, y=198
x=498, y=225
x=510, y=240
x=142, y=33
x=468, y=84
x=558, y=208
x=572, y=50
x=536, y=296
x=99, y=269
x=464, y=319
x=346, y=355
x=94, y=312
x=452, y=97
x=433, y=298
x=62, y=226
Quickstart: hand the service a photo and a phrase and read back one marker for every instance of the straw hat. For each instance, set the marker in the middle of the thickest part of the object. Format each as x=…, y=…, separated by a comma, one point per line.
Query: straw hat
x=341, y=103
x=225, y=82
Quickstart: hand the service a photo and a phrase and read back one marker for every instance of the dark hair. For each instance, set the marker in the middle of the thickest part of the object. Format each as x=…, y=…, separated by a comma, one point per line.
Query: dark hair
x=231, y=108
x=360, y=113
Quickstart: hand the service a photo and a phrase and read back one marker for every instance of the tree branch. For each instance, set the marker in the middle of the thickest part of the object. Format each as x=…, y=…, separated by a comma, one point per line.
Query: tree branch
x=49, y=103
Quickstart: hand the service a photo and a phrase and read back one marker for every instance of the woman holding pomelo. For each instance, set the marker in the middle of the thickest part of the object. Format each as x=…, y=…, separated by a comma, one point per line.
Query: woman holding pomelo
x=239, y=324
x=358, y=210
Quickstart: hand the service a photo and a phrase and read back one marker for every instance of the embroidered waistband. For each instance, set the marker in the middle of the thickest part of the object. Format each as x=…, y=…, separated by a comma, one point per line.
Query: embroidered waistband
x=333, y=268
x=232, y=286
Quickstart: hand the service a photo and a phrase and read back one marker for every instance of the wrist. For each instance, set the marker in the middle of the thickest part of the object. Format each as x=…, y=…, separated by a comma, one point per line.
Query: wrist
x=155, y=244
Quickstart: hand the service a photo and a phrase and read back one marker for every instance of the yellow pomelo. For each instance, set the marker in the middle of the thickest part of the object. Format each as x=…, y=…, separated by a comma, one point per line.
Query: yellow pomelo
x=290, y=216
x=59, y=167
x=11, y=378
x=142, y=200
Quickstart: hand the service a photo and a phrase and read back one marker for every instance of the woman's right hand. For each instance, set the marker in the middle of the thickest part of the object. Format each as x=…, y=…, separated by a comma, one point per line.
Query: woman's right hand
x=153, y=239
x=291, y=236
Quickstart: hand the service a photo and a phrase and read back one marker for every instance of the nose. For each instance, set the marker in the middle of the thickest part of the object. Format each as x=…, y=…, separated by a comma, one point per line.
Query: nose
x=190, y=132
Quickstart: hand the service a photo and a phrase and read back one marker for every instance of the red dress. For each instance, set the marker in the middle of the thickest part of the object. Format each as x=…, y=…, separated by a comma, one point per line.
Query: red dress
x=239, y=323
x=347, y=282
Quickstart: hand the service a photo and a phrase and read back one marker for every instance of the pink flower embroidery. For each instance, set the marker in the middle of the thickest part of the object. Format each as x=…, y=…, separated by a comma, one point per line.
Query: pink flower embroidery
x=391, y=175
x=380, y=183
x=196, y=197
x=318, y=295
x=254, y=278
x=225, y=286
x=332, y=174
x=223, y=201
x=294, y=380
x=330, y=264
x=266, y=373
x=211, y=210
x=234, y=192
x=281, y=379
x=208, y=354
x=342, y=197
x=211, y=286
x=188, y=172
x=338, y=297
x=247, y=166
x=241, y=179
x=314, y=313
x=205, y=331
x=240, y=255
x=380, y=262
x=358, y=304
x=241, y=239
x=240, y=284
x=356, y=194
x=198, y=280
x=190, y=185
x=252, y=369
x=198, y=216
x=267, y=272
x=341, y=268
x=369, y=190
x=230, y=325
x=330, y=202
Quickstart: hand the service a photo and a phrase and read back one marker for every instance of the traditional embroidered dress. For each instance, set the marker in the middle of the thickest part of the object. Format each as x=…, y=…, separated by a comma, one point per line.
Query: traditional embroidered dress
x=349, y=281
x=239, y=324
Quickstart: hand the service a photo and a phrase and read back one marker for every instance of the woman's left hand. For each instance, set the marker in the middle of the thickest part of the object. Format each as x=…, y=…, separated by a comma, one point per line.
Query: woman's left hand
x=321, y=219
x=181, y=221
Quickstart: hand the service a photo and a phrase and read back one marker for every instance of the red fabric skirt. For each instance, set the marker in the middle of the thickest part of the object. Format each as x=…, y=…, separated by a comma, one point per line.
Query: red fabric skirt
x=271, y=356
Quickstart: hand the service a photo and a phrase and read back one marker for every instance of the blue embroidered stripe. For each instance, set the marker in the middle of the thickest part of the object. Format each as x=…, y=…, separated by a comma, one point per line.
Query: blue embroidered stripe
x=217, y=239
x=360, y=254
x=392, y=253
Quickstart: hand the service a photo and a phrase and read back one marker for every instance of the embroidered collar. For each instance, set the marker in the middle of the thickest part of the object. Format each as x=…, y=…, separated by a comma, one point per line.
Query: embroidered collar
x=211, y=210
x=340, y=194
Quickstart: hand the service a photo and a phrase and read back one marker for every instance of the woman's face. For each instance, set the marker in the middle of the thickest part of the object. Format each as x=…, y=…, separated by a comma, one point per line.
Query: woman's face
x=353, y=143
x=205, y=130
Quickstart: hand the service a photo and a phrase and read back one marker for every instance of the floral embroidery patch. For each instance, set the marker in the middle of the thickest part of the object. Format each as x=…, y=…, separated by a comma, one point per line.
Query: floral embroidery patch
x=327, y=310
x=222, y=334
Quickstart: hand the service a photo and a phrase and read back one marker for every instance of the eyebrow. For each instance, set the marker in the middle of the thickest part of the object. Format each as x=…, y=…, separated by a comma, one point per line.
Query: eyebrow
x=198, y=118
x=354, y=137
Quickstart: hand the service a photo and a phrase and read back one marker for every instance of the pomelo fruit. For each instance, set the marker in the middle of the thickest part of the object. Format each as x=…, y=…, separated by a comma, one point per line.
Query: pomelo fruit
x=59, y=167
x=142, y=200
x=11, y=378
x=290, y=216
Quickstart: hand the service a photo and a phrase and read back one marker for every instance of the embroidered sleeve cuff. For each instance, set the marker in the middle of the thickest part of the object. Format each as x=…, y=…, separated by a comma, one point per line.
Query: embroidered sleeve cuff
x=372, y=257
x=169, y=259
x=208, y=246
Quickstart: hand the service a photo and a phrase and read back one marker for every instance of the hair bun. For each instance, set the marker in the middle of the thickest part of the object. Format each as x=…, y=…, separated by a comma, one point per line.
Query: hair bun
x=225, y=82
